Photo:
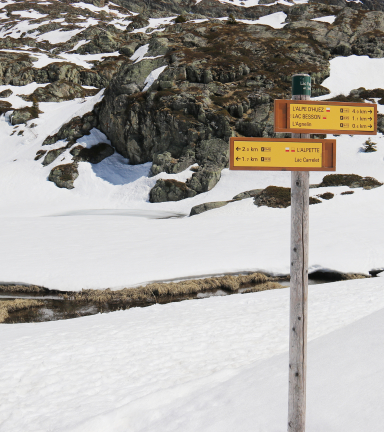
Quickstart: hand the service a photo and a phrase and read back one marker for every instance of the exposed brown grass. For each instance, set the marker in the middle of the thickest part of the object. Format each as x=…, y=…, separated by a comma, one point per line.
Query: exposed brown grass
x=15, y=305
x=22, y=289
x=157, y=291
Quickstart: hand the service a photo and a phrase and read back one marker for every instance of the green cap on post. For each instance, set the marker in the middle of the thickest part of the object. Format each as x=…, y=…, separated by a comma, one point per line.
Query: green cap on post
x=301, y=85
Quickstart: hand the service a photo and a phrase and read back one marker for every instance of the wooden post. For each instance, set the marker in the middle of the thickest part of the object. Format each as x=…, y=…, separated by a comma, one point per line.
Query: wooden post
x=301, y=90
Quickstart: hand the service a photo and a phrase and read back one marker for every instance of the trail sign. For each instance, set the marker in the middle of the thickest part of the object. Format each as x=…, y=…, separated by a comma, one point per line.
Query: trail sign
x=279, y=154
x=300, y=116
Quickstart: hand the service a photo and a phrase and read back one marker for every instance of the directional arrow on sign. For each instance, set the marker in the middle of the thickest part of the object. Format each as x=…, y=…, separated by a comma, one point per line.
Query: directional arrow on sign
x=238, y=159
x=370, y=118
x=370, y=111
x=238, y=148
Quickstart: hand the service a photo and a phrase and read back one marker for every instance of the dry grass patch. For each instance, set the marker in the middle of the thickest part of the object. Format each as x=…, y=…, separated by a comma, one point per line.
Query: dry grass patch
x=23, y=289
x=16, y=305
x=157, y=291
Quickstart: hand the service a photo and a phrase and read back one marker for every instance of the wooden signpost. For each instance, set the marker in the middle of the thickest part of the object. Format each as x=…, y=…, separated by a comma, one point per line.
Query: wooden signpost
x=300, y=154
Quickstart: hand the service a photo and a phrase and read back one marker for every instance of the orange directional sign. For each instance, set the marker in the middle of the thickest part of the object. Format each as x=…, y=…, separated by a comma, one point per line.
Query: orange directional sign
x=274, y=154
x=325, y=117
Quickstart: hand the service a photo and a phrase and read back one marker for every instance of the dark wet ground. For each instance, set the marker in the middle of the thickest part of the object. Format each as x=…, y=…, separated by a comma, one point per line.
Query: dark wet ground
x=56, y=308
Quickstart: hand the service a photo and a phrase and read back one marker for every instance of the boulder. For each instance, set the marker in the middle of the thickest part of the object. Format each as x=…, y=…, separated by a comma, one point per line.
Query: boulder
x=170, y=190
x=64, y=175
x=274, y=196
x=351, y=180
x=4, y=107
x=53, y=155
x=40, y=154
x=248, y=194
x=204, y=179
x=201, y=208
x=278, y=197
x=6, y=93
x=326, y=195
x=23, y=115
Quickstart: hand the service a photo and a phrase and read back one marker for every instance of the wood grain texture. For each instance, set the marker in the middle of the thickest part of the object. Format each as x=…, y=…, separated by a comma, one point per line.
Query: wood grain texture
x=298, y=296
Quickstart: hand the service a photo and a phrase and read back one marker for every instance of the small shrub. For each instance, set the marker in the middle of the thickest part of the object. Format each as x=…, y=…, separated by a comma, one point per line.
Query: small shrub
x=326, y=195
x=313, y=200
x=231, y=20
x=180, y=19
x=369, y=146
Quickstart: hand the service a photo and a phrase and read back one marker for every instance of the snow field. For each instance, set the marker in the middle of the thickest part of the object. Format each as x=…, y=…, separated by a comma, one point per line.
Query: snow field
x=216, y=362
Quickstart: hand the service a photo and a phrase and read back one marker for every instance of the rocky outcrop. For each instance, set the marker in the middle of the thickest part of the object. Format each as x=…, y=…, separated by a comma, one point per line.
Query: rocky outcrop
x=202, y=96
x=64, y=175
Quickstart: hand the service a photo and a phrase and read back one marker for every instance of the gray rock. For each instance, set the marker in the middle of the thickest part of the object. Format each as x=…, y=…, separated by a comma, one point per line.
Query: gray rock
x=191, y=40
x=22, y=115
x=64, y=175
x=138, y=21
x=248, y=194
x=213, y=151
x=164, y=162
x=204, y=179
x=201, y=208
x=6, y=93
x=158, y=46
x=40, y=154
x=74, y=129
x=4, y=107
x=351, y=180
x=59, y=91
x=170, y=190
x=53, y=155
x=129, y=49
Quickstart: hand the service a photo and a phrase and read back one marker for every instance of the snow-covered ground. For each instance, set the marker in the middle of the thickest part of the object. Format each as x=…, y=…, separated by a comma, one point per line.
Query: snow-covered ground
x=218, y=364
x=105, y=233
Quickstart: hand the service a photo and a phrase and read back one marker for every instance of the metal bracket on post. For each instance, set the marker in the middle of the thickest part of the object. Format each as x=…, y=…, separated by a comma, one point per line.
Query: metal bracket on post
x=301, y=90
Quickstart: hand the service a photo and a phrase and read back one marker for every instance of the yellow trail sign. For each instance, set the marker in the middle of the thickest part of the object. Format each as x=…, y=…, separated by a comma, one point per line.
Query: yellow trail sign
x=272, y=154
x=325, y=117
